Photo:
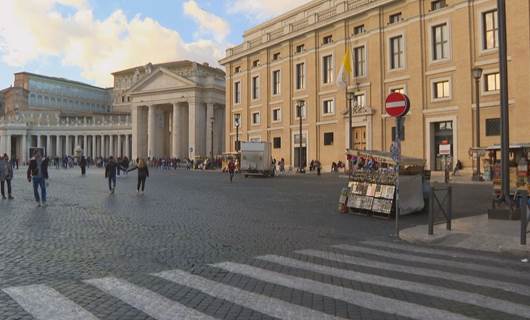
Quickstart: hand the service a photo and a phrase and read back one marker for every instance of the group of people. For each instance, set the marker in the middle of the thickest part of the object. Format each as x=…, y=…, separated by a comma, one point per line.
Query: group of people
x=115, y=166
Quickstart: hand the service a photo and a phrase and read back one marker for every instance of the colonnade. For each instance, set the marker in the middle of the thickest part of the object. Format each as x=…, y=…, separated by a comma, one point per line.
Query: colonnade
x=60, y=145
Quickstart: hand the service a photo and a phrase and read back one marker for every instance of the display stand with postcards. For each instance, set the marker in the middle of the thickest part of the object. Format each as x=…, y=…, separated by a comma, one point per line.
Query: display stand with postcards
x=371, y=189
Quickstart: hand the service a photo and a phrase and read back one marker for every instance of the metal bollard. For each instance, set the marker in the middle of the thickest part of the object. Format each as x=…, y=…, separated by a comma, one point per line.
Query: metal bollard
x=431, y=213
x=524, y=216
x=449, y=207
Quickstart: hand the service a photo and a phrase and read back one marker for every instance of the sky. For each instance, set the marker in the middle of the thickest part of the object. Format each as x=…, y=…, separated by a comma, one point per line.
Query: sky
x=86, y=40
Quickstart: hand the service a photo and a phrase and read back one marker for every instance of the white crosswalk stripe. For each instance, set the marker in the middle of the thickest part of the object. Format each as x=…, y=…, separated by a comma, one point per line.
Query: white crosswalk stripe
x=442, y=252
x=45, y=303
x=433, y=273
x=441, y=262
x=359, y=298
x=266, y=305
x=147, y=301
x=421, y=288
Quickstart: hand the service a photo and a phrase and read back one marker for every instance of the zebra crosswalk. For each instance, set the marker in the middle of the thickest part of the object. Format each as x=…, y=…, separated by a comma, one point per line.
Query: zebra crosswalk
x=387, y=280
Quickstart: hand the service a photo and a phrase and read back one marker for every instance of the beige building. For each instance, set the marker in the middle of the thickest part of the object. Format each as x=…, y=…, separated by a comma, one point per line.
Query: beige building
x=423, y=48
x=177, y=108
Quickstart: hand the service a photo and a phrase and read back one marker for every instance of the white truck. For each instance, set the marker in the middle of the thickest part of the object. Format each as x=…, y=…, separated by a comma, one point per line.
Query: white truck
x=256, y=159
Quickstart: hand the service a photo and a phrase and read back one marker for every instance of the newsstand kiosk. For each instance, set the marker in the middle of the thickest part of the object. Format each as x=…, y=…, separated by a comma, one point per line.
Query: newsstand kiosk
x=372, y=184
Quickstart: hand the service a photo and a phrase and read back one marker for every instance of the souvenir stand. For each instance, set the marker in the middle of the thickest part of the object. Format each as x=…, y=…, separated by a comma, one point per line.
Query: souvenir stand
x=372, y=184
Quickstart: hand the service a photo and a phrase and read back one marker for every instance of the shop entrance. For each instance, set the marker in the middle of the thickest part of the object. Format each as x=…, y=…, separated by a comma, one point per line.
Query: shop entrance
x=359, y=138
x=442, y=134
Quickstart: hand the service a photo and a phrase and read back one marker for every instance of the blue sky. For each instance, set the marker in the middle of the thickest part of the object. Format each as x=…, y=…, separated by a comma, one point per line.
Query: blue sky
x=86, y=40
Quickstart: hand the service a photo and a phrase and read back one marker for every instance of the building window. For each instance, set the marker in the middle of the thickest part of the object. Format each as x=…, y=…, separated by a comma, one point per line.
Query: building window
x=300, y=48
x=440, y=42
x=490, y=30
x=398, y=90
x=359, y=100
x=237, y=69
x=359, y=30
x=327, y=69
x=328, y=107
x=402, y=133
x=300, y=76
x=441, y=89
x=492, y=82
x=255, y=63
x=328, y=138
x=298, y=110
x=437, y=4
x=256, y=118
x=276, y=82
x=277, y=142
x=327, y=40
x=237, y=92
x=359, y=61
x=276, y=56
x=276, y=115
x=255, y=88
x=396, y=52
x=493, y=127
x=394, y=18
x=237, y=118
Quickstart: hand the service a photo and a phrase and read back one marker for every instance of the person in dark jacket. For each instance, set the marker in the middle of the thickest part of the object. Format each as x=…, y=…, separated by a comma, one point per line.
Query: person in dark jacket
x=143, y=173
x=6, y=175
x=110, y=173
x=82, y=164
x=38, y=174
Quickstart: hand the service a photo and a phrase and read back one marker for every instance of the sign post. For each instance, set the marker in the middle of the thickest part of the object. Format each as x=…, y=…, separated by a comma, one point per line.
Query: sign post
x=397, y=105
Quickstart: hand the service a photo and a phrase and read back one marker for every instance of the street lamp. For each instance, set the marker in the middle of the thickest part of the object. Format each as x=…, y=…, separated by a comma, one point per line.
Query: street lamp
x=299, y=109
x=477, y=74
x=237, y=122
x=352, y=102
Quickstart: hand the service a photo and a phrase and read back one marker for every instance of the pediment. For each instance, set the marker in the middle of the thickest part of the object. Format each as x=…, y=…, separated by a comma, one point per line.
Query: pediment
x=161, y=79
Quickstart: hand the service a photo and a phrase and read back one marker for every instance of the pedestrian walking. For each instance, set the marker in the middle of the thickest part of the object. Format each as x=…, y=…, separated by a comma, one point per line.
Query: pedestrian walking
x=143, y=174
x=82, y=165
x=6, y=175
x=38, y=174
x=231, y=169
x=110, y=173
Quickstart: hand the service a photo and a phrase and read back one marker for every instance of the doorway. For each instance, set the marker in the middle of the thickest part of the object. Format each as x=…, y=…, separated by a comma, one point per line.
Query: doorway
x=359, y=138
x=442, y=134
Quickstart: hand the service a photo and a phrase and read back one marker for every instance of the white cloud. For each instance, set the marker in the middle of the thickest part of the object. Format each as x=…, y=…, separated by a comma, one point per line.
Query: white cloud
x=31, y=30
x=261, y=10
x=209, y=23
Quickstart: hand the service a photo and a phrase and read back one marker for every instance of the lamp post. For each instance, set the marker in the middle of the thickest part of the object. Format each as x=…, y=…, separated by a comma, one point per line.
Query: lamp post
x=351, y=104
x=477, y=74
x=237, y=123
x=300, y=107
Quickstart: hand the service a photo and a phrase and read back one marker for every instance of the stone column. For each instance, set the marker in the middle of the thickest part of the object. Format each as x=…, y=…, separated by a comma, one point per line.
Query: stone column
x=177, y=118
x=119, y=146
x=48, y=146
x=39, y=143
x=24, y=148
x=135, y=126
x=58, y=146
x=111, y=146
x=93, y=151
x=85, y=144
x=151, y=132
x=8, y=145
x=192, y=128
x=68, y=144
x=126, y=149
x=102, y=146
x=209, y=127
x=76, y=141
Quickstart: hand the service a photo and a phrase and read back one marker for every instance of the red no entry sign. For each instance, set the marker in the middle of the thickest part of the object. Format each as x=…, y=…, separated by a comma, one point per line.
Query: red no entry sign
x=397, y=104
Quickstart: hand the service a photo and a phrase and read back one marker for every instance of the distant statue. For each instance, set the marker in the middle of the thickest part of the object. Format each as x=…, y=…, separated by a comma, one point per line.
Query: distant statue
x=148, y=68
x=136, y=76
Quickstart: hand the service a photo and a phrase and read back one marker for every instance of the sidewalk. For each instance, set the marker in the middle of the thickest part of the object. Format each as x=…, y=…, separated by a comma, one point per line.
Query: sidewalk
x=461, y=178
x=476, y=232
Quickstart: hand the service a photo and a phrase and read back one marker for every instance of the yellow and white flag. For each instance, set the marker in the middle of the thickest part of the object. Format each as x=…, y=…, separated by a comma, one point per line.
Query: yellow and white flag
x=345, y=67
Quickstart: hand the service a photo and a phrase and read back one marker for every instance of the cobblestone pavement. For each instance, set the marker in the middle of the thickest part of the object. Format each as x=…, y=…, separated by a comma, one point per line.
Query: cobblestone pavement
x=197, y=247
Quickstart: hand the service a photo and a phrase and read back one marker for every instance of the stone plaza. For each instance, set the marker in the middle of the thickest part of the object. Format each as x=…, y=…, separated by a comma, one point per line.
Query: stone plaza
x=195, y=246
